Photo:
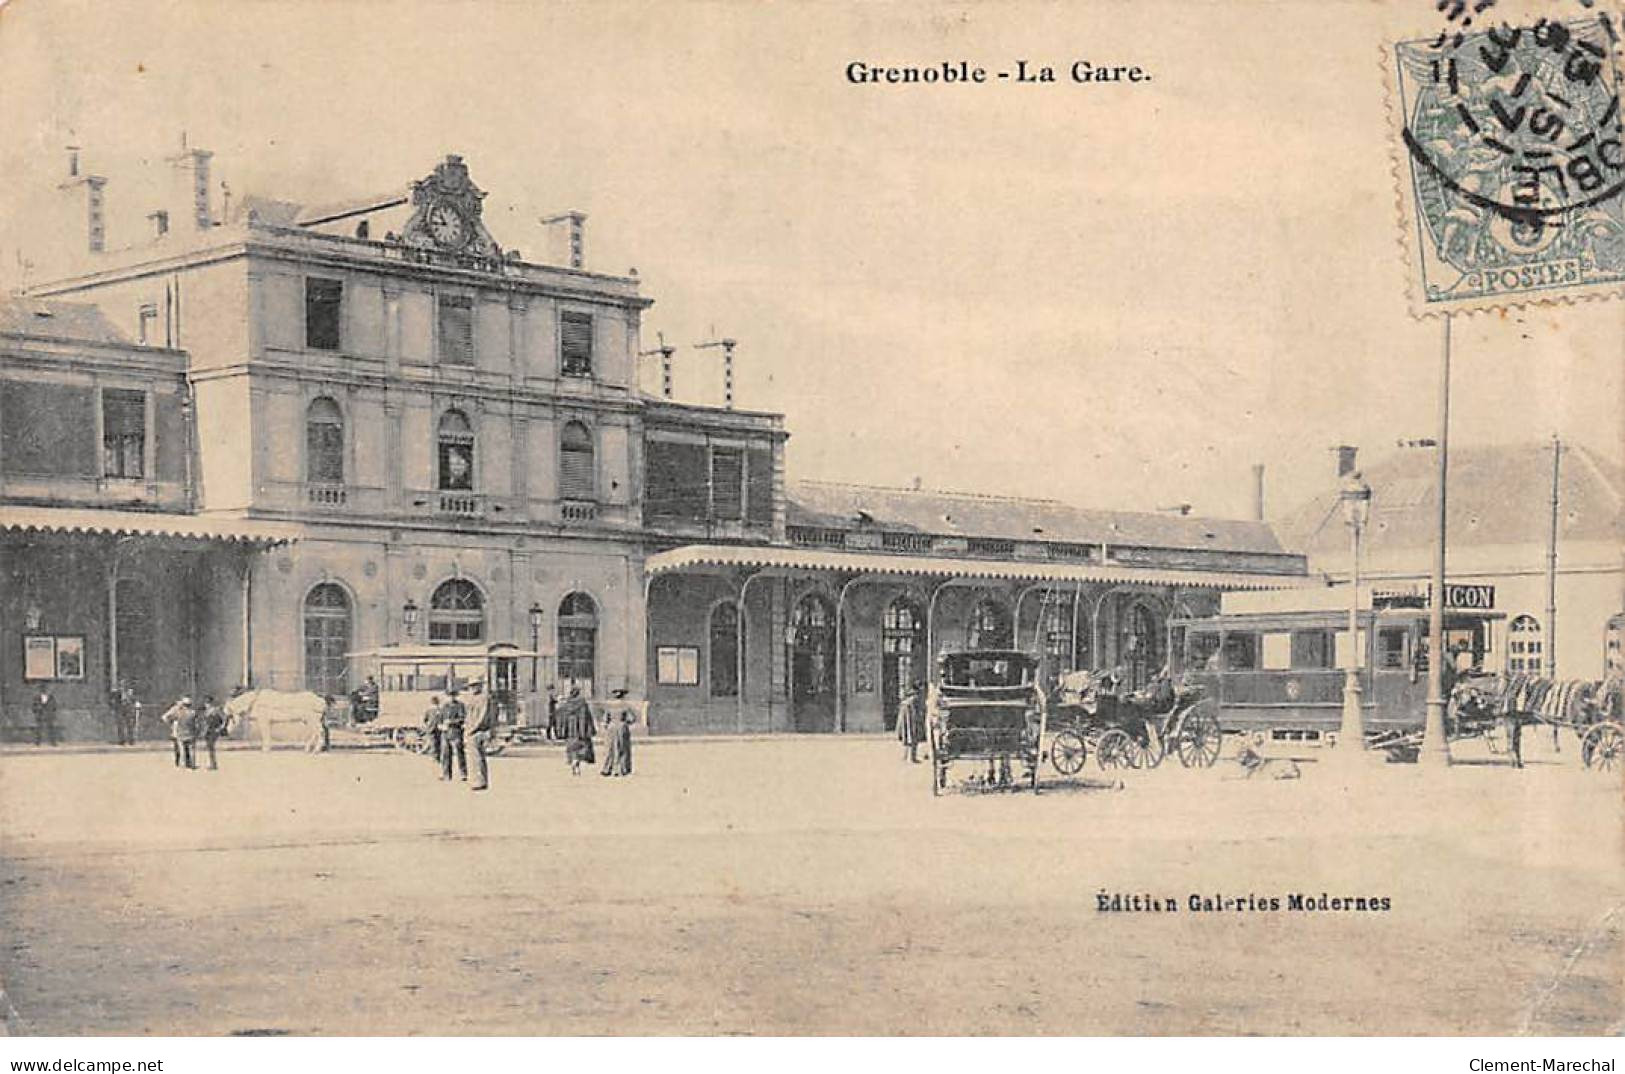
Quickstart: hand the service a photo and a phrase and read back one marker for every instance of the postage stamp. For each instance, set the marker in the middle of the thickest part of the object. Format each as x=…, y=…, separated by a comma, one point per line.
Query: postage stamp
x=1511, y=175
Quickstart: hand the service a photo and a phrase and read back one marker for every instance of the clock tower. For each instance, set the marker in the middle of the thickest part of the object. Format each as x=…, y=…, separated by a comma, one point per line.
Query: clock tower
x=446, y=213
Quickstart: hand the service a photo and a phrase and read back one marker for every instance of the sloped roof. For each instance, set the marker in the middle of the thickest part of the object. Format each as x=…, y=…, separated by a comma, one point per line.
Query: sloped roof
x=1498, y=495
x=79, y=321
x=840, y=506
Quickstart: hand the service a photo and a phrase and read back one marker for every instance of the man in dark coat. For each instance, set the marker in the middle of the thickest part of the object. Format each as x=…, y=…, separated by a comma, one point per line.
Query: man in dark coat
x=211, y=725
x=431, y=728
x=575, y=719
x=45, y=726
x=452, y=717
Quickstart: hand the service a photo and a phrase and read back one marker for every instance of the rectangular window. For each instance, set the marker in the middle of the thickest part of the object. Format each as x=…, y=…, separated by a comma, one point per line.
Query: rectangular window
x=1277, y=651
x=1391, y=648
x=1311, y=649
x=1204, y=651
x=124, y=433
x=677, y=665
x=456, y=330
x=324, y=299
x=1241, y=652
x=727, y=483
x=575, y=344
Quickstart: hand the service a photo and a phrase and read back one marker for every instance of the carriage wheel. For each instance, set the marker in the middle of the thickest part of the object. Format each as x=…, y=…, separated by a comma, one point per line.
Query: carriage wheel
x=1067, y=752
x=1602, y=746
x=1200, y=738
x=1117, y=749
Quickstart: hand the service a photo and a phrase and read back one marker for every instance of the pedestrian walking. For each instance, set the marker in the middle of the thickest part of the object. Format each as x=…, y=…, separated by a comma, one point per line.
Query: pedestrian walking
x=431, y=729
x=45, y=725
x=320, y=739
x=575, y=718
x=125, y=707
x=480, y=732
x=182, y=720
x=911, y=721
x=212, y=722
x=452, y=717
x=623, y=745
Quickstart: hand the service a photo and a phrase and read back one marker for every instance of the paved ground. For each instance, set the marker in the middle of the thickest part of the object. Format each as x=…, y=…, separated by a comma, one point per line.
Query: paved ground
x=794, y=886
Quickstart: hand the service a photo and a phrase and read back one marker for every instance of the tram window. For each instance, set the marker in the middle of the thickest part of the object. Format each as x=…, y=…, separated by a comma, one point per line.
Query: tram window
x=1241, y=652
x=1391, y=648
x=1277, y=651
x=1204, y=652
x=1311, y=649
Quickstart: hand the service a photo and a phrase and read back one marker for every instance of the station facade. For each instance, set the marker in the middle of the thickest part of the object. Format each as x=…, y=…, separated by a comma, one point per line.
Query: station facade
x=317, y=431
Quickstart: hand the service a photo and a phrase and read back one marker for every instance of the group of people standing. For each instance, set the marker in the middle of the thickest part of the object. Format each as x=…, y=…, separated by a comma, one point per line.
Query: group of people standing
x=189, y=723
x=573, y=721
x=447, y=727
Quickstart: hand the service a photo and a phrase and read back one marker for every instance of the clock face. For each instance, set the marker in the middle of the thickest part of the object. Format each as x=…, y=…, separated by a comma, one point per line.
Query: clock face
x=446, y=226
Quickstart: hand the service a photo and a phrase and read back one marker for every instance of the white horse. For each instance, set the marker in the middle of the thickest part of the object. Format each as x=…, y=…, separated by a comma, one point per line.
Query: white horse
x=269, y=707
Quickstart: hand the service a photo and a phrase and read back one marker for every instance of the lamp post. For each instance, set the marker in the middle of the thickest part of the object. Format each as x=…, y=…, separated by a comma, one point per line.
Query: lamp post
x=1355, y=499
x=409, y=616
x=535, y=641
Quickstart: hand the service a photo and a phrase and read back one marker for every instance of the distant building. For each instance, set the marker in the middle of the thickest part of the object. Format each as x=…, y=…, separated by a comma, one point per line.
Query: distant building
x=1499, y=520
x=249, y=444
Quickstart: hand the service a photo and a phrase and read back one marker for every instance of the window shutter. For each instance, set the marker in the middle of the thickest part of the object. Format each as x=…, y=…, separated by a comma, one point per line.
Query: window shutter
x=577, y=480
x=759, y=502
x=727, y=483
x=456, y=330
x=575, y=344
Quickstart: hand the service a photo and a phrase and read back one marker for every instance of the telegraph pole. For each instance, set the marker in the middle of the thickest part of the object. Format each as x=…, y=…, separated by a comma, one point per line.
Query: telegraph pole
x=1551, y=566
x=1435, y=751
x=727, y=346
x=665, y=351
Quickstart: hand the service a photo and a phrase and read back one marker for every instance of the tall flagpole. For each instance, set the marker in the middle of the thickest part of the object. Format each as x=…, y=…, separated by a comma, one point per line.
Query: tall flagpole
x=1435, y=751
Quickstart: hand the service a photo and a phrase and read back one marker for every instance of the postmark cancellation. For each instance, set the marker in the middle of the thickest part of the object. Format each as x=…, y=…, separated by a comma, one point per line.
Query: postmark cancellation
x=1509, y=164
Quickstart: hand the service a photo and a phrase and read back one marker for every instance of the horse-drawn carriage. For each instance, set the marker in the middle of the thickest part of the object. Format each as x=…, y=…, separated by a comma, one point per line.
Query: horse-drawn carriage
x=1509, y=703
x=986, y=706
x=1135, y=729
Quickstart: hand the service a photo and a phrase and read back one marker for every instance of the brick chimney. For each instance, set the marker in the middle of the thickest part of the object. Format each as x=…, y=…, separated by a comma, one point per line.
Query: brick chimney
x=567, y=238
x=191, y=187
x=1345, y=459
x=92, y=189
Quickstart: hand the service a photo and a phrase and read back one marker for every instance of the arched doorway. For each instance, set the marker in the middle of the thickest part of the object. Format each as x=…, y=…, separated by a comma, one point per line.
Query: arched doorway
x=1142, y=643
x=902, y=654
x=989, y=626
x=327, y=640
x=578, y=641
x=812, y=664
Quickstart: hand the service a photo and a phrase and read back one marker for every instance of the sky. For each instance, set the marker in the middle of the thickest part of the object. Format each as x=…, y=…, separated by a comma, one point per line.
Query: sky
x=1115, y=295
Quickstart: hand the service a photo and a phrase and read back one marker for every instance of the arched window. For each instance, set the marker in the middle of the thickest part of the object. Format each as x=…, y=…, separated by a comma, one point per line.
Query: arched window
x=1142, y=643
x=457, y=612
x=1057, y=628
x=725, y=650
x=989, y=626
x=577, y=477
x=327, y=639
x=1525, y=645
x=324, y=443
x=456, y=452
x=578, y=638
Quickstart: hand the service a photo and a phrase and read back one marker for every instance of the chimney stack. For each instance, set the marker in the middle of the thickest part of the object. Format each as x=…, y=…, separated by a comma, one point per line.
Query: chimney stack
x=1258, y=492
x=192, y=183
x=73, y=162
x=1345, y=459
x=95, y=201
x=569, y=237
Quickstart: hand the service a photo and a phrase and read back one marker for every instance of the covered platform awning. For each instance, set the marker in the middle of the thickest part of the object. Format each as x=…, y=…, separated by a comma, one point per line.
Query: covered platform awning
x=701, y=556
x=84, y=520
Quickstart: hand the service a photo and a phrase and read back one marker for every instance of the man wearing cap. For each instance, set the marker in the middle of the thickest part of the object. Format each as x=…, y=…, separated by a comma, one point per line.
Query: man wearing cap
x=452, y=716
x=182, y=721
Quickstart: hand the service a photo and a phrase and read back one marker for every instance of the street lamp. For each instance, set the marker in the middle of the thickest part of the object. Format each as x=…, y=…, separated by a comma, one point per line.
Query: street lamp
x=535, y=641
x=409, y=615
x=1355, y=499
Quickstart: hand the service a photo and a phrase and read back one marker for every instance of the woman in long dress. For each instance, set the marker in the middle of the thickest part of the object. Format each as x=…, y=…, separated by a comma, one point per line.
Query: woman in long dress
x=576, y=718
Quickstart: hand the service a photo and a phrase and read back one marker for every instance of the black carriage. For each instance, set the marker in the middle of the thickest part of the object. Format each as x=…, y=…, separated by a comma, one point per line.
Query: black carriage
x=986, y=707
x=1131, y=729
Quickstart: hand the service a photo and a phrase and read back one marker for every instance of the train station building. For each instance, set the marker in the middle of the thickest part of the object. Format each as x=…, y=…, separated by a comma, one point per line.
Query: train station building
x=239, y=444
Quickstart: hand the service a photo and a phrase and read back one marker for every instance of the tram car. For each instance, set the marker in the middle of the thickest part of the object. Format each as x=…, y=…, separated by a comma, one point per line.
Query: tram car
x=406, y=678
x=1273, y=666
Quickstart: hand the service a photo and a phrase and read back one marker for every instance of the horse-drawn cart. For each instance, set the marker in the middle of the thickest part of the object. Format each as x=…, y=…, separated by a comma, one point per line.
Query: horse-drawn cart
x=986, y=706
x=1132, y=730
